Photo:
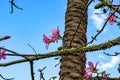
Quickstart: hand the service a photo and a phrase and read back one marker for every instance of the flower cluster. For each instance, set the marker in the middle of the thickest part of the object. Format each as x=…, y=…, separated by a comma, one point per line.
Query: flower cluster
x=112, y=18
x=2, y=52
x=52, y=38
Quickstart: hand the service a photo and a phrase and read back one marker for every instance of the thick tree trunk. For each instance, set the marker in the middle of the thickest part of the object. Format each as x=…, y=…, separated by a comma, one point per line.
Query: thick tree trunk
x=72, y=66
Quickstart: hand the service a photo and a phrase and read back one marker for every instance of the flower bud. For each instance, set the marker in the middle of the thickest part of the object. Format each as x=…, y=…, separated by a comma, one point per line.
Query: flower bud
x=6, y=37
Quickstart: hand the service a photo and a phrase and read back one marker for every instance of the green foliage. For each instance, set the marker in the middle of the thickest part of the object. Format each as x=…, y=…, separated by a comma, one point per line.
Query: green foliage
x=53, y=78
x=99, y=5
x=59, y=48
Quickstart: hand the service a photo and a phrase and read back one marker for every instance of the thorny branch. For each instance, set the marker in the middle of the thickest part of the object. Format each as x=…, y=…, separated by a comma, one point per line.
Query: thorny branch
x=33, y=57
x=14, y=5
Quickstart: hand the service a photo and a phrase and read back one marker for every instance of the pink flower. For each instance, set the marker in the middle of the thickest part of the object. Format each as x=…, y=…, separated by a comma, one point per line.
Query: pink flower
x=2, y=52
x=88, y=75
x=56, y=34
x=90, y=69
x=46, y=40
x=53, y=38
x=112, y=18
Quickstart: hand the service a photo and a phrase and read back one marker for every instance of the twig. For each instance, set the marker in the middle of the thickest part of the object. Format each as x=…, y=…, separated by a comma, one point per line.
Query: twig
x=32, y=48
x=32, y=69
x=94, y=38
x=116, y=54
x=112, y=7
x=41, y=73
x=5, y=78
x=14, y=5
x=57, y=64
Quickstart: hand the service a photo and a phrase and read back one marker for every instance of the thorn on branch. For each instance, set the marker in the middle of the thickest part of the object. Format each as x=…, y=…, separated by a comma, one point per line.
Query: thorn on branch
x=14, y=5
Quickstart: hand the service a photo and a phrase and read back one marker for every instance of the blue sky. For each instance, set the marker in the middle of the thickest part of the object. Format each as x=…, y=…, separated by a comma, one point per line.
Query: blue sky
x=39, y=17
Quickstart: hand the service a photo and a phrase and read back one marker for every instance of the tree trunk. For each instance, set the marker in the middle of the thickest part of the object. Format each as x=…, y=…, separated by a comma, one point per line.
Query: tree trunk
x=72, y=66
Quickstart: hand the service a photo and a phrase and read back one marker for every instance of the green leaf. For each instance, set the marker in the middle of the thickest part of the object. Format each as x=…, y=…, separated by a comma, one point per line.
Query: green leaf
x=59, y=48
x=99, y=5
x=53, y=78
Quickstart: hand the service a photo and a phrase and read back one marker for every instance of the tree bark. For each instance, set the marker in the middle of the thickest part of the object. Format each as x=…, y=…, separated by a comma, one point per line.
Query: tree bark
x=72, y=66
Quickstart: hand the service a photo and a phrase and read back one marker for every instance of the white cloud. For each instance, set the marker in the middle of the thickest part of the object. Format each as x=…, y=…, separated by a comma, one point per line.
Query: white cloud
x=111, y=64
x=98, y=20
x=101, y=56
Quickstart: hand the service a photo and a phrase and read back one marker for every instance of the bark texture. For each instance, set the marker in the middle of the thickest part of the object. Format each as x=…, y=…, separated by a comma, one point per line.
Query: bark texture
x=72, y=66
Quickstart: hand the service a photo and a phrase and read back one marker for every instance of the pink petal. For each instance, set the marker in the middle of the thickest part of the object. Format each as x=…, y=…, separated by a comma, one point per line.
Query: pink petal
x=112, y=18
x=90, y=64
x=88, y=69
x=3, y=51
x=2, y=54
x=3, y=57
x=53, y=38
x=46, y=39
x=96, y=65
x=56, y=31
x=88, y=75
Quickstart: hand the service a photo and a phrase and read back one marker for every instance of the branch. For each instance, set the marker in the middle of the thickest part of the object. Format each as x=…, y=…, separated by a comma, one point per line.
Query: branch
x=94, y=38
x=102, y=46
x=41, y=73
x=6, y=78
x=114, y=7
x=32, y=48
x=14, y=53
x=116, y=54
x=32, y=70
x=100, y=31
x=14, y=5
